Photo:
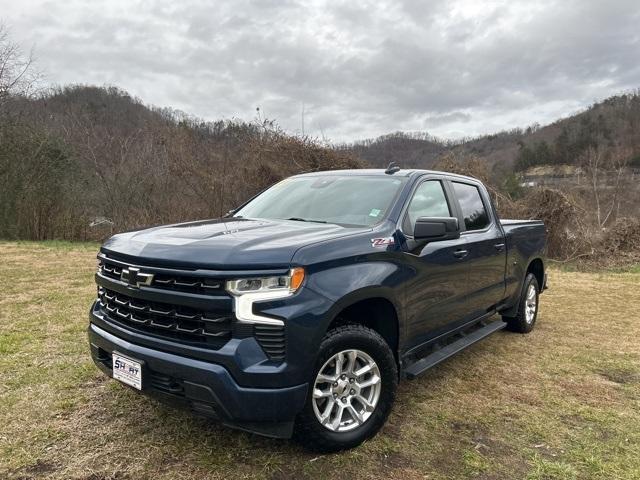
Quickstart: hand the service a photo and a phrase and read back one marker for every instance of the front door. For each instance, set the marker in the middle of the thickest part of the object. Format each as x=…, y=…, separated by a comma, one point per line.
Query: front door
x=438, y=288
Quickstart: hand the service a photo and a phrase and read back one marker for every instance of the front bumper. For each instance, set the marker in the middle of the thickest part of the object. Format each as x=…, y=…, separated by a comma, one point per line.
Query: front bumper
x=203, y=387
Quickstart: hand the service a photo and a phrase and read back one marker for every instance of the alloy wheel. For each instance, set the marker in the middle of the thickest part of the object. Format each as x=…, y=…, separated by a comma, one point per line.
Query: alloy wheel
x=346, y=390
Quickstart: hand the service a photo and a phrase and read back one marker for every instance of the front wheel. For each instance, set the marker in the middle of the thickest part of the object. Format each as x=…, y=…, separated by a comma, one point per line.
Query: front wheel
x=351, y=392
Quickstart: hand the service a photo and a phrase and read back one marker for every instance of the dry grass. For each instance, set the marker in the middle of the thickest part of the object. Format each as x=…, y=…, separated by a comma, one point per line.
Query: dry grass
x=562, y=402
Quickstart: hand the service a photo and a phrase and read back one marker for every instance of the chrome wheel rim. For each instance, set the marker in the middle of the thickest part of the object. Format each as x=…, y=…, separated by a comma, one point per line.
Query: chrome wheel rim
x=346, y=390
x=531, y=304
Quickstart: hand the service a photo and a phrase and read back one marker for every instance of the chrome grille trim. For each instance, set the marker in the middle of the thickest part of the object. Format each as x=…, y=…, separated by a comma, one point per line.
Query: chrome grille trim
x=166, y=279
x=170, y=321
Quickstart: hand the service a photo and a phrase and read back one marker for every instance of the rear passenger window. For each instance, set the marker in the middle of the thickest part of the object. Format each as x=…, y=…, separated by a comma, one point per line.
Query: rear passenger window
x=473, y=211
x=428, y=200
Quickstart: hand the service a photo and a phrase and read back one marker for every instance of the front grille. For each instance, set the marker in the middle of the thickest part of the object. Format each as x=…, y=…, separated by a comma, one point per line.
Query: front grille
x=111, y=268
x=272, y=340
x=174, y=322
x=168, y=317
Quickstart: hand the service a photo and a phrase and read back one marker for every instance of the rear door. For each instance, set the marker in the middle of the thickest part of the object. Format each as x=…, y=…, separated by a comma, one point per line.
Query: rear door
x=437, y=290
x=484, y=245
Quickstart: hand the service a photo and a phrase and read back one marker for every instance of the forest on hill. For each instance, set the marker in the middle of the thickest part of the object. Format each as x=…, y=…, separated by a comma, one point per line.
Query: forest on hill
x=612, y=125
x=80, y=155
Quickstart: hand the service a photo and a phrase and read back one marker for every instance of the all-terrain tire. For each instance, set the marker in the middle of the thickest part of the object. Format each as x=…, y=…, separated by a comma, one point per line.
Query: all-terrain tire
x=525, y=319
x=351, y=337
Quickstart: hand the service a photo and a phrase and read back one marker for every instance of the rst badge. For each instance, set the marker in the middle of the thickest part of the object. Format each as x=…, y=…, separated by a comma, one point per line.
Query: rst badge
x=382, y=242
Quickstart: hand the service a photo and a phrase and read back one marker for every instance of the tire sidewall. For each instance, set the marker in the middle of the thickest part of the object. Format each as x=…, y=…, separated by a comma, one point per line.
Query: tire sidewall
x=530, y=280
x=353, y=337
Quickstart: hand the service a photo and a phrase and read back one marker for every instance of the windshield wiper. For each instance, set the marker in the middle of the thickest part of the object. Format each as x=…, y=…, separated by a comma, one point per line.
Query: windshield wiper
x=298, y=219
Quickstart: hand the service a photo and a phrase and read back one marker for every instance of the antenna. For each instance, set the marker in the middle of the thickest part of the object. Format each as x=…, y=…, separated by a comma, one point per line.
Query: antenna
x=392, y=168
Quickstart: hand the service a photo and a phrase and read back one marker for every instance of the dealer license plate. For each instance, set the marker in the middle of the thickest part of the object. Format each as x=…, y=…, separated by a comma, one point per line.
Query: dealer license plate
x=127, y=371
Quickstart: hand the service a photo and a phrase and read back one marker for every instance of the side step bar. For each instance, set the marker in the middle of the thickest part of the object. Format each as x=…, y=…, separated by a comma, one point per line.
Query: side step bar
x=433, y=359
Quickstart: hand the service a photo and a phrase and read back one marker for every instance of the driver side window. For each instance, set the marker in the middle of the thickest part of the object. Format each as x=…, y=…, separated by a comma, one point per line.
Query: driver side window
x=428, y=200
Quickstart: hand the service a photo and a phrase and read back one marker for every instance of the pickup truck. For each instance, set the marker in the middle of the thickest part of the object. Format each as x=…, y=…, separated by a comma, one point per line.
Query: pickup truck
x=298, y=313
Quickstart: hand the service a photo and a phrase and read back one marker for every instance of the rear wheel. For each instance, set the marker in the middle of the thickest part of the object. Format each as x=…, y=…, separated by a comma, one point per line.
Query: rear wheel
x=525, y=319
x=351, y=392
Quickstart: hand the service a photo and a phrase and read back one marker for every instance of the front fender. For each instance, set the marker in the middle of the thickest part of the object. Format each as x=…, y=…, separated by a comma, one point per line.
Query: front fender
x=326, y=292
x=347, y=285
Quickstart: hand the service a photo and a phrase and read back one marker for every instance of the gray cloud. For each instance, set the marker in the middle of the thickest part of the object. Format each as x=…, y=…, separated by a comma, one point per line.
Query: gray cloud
x=454, y=68
x=447, y=119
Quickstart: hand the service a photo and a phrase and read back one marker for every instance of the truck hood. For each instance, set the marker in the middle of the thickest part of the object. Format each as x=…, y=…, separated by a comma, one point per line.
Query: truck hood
x=225, y=244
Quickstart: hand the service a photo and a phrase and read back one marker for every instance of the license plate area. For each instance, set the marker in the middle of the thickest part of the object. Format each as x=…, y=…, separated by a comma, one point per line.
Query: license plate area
x=127, y=370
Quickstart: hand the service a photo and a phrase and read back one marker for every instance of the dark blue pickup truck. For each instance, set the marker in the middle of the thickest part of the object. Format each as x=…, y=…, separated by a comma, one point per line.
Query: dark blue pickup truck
x=299, y=312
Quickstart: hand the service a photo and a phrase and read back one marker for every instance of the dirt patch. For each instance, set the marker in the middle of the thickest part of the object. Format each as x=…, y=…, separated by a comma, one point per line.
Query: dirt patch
x=289, y=473
x=394, y=460
x=393, y=428
x=102, y=476
x=484, y=443
x=621, y=376
x=459, y=426
x=40, y=468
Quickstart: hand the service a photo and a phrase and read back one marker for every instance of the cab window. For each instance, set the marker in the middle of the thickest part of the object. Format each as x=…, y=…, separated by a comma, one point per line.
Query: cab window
x=473, y=209
x=429, y=200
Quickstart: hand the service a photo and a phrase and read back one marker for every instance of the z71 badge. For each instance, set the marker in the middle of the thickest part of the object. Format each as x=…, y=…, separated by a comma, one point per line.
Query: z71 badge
x=382, y=242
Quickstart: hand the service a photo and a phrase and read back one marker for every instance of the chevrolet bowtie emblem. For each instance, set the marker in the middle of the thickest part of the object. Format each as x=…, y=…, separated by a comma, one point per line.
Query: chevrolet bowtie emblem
x=135, y=278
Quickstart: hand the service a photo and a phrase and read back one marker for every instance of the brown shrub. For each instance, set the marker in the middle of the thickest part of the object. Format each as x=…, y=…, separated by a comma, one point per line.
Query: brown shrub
x=568, y=233
x=620, y=244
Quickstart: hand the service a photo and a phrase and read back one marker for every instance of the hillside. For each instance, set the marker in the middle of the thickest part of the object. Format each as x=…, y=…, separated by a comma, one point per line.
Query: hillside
x=611, y=124
x=410, y=150
x=80, y=156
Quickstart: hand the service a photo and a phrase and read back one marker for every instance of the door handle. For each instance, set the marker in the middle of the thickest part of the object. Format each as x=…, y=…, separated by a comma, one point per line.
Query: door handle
x=499, y=246
x=460, y=253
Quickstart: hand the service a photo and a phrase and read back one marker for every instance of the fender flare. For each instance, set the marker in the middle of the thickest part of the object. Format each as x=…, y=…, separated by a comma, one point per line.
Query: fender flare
x=512, y=310
x=371, y=292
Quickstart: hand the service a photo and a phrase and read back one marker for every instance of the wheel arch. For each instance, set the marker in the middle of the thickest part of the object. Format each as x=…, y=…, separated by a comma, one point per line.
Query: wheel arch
x=536, y=266
x=374, y=309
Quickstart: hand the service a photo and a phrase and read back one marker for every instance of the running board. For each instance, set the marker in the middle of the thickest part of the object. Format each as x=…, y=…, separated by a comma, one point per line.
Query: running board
x=433, y=359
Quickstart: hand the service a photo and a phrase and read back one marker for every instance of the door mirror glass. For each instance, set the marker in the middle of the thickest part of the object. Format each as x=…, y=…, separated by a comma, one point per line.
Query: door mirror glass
x=434, y=229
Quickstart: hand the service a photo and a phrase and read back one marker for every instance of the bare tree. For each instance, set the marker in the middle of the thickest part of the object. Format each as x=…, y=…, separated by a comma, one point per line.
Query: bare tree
x=605, y=171
x=17, y=73
x=618, y=165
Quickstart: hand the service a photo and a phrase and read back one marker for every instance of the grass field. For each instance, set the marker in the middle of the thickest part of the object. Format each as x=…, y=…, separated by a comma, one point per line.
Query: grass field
x=562, y=402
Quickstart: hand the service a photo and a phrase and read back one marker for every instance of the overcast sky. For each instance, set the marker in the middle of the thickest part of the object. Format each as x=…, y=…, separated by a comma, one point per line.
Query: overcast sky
x=359, y=68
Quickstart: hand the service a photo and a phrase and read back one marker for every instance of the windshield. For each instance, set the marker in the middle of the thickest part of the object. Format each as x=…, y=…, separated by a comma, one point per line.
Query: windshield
x=342, y=199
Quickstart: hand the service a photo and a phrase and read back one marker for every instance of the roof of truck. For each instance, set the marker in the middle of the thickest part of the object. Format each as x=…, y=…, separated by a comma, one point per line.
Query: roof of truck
x=380, y=171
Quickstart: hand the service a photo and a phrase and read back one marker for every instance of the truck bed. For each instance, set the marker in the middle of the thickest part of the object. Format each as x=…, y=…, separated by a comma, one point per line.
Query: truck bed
x=524, y=239
x=509, y=223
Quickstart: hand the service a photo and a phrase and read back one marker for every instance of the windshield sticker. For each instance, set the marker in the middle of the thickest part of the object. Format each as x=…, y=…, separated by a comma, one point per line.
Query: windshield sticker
x=382, y=242
x=374, y=212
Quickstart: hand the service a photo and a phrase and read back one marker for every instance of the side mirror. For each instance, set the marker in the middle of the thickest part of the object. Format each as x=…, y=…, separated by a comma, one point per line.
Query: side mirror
x=229, y=213
x=436, y=229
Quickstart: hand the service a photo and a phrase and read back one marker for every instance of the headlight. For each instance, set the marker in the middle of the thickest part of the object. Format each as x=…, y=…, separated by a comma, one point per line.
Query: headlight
x=248, y=290
x=285, y=284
